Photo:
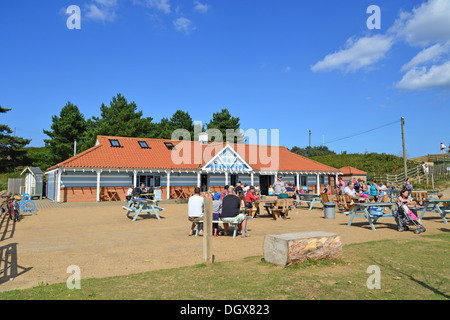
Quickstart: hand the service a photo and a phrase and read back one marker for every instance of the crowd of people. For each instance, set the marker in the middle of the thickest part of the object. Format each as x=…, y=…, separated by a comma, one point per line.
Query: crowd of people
x=364, y=189
x=230, y=204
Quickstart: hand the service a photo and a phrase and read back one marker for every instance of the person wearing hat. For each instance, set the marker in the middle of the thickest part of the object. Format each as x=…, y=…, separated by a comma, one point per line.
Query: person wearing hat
x=250, y=198
x=216, y=208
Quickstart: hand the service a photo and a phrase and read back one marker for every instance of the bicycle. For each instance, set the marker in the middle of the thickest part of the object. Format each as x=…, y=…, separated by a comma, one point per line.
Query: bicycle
x=26, y=204
x=11, y=206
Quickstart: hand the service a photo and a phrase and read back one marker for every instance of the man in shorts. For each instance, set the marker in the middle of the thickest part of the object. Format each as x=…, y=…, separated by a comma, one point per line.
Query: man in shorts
x=195, y=211
x=231, y=206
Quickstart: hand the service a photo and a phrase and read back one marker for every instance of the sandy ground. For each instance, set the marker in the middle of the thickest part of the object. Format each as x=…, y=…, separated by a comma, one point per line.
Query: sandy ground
x=103, y=242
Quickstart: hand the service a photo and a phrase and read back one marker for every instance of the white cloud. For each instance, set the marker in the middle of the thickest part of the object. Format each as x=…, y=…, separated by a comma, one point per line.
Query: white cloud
x=427, y=24
x=200, y=7
x=184, y=25
x=101, y=10
x=356, y=54
x=428, y=55
x=287, y=69
x=161, y=5
x=421, y=78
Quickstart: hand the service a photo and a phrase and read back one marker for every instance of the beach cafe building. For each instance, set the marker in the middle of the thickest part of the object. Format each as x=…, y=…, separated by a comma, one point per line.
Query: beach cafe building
x=115, y=163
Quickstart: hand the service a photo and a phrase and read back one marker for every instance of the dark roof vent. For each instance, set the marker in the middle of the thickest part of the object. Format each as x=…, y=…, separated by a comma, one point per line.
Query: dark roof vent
x=169, y=145
x=144, y=145
x=115, y=143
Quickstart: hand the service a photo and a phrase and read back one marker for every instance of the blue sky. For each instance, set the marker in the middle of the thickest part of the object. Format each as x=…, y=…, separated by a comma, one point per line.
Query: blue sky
x=289, y=65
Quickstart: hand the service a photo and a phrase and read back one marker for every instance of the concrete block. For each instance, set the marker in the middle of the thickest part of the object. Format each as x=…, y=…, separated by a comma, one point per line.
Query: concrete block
x=290, y=248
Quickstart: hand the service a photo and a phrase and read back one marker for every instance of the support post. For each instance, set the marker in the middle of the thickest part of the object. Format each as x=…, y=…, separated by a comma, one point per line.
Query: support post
x=98, y=185
x=207, y=230
x=404, y=148
x=168, y=185
x=318, y=184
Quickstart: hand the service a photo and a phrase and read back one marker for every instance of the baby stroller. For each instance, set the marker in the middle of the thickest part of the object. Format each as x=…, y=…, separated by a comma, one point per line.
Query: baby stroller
x=406, y=217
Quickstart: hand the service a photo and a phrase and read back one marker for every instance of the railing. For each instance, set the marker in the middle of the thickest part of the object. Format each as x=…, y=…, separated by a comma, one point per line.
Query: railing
x=396, y=179
x=439, y=157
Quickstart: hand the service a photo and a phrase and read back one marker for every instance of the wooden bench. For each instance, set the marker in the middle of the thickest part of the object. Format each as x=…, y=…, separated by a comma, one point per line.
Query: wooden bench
x=279, y=207
x=234, y=225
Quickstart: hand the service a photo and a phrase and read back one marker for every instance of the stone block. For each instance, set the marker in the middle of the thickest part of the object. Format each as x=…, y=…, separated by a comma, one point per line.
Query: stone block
x=290, y=248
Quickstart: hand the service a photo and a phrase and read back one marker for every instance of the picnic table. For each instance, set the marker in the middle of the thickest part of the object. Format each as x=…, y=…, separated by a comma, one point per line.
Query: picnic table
x=268, y=204
x=432, y=205
x=112, y=196
x=142, y=205
x=309, y=198
x=362, y=210
x=180, y=194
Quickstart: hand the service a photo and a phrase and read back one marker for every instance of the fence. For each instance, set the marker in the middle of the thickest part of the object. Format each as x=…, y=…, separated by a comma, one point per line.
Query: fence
x=16, y=185
x=441, y=171
x=397, y=179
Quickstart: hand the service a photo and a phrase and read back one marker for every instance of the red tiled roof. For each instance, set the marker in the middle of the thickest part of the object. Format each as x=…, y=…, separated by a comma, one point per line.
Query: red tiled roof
x=352, y=170
x=131, y=156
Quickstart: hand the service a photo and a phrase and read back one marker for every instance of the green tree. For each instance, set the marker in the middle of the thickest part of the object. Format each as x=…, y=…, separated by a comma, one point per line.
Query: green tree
x=69, y=126
x=182, y=120
x=312, y=151
x=11, y=147
x=120, y=118
x=223, y=121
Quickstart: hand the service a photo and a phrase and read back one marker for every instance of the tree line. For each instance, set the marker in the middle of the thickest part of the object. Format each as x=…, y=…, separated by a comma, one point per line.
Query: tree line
x=119, y=118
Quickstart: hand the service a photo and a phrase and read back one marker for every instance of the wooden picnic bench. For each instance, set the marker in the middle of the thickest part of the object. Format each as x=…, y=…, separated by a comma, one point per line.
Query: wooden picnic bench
x=310, y=199
x=432, y=205
x=362, y=210
x=138, y=206
x=234, y=225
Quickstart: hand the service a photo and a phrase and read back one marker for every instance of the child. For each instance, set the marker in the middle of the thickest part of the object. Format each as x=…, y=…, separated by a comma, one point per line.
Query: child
x=217, y=204
x=271, y=190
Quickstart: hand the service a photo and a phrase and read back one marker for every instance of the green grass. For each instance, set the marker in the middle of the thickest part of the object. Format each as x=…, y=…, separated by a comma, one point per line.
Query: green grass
x=410, y=269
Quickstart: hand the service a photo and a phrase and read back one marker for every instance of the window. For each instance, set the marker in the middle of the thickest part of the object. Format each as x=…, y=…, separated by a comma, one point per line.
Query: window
x=303, y=180
x=115, y=143
x=169, y=145
x=144, y=145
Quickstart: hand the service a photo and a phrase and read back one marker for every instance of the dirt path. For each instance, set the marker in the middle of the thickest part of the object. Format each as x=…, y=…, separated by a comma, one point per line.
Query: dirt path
x=102, y=242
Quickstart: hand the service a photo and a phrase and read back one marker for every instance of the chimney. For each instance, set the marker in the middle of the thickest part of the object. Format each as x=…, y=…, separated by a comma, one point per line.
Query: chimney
x=203, y=137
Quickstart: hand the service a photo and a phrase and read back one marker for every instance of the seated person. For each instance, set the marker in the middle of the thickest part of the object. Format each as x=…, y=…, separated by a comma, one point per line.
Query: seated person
x=350, y=190
x=250, y=198
x=195, y=211
x=270, y=192
x=289, y=187
x=129, y=193
x=231, y=206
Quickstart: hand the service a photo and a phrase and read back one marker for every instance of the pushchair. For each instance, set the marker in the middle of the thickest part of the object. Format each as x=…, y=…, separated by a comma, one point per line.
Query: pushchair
x=406, y=217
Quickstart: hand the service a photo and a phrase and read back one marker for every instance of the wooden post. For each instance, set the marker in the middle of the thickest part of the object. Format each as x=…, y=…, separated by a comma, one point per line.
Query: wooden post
x=207, y=230
x=404, y=148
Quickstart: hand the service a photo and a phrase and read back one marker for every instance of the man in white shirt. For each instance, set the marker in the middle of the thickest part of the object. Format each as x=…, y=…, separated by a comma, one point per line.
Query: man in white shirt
x=350, y=190
x=195, y=211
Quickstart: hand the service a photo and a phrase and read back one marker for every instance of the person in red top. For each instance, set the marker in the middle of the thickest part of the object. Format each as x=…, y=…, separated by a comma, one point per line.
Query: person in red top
x=250, y=198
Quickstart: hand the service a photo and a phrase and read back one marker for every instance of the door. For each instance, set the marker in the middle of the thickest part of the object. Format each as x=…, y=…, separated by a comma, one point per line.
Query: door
x=265, y=181
x=204, y=183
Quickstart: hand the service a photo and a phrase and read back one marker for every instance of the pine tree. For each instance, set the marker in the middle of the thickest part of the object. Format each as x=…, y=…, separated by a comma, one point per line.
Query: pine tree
x=11, y=147
x=69, y=126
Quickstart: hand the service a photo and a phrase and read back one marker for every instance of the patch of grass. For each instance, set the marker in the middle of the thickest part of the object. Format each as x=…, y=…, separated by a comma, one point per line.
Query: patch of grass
x=409, y=269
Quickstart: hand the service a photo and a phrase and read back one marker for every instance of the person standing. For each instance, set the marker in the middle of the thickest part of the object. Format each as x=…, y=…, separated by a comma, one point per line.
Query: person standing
x=278, y=186
x=195, y=211
x=443, y=147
